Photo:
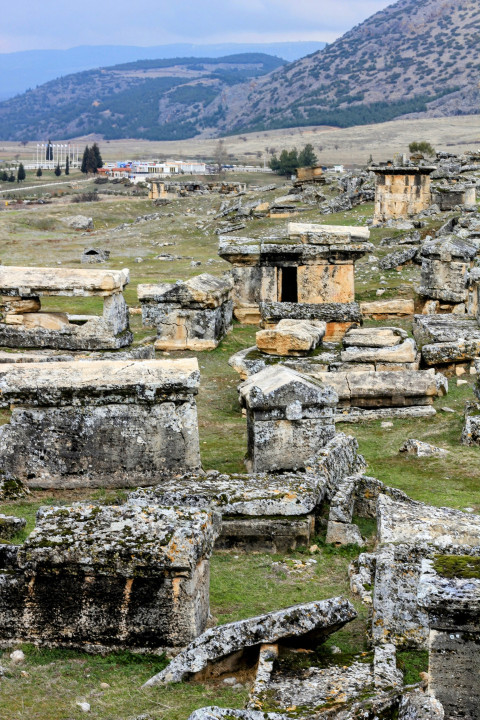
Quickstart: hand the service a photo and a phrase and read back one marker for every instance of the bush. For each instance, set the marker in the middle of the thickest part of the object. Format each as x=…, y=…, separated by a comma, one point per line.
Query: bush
x=424, y=148
x=85, y=197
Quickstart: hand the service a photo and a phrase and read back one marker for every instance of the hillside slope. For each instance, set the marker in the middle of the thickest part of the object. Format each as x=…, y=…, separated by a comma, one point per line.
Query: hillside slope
x=400, y=60
x=151, y=99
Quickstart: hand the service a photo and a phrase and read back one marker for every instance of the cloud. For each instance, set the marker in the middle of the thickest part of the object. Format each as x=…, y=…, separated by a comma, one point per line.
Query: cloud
x=28, y=24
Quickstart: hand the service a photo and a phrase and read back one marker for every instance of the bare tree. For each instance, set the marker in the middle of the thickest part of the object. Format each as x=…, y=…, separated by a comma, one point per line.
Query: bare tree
x=221, y=155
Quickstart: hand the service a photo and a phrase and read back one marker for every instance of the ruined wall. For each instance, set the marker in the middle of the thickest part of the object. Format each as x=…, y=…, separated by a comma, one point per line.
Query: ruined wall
x=401, y=193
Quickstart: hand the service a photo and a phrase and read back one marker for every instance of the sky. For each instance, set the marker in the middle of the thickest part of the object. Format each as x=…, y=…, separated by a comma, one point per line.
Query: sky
x=61, y=24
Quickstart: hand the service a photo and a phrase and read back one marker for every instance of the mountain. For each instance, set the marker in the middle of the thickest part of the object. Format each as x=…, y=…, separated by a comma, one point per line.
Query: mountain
x=151, y=99
x=21, y=71
x=416, y=56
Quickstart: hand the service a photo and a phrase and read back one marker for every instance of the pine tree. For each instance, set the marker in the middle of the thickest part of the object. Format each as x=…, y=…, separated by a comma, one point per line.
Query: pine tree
x=49, y=151
x=67, y=166
x=85, y=160
x=307, y=157
x=39, y=172
x=96, y=155
x=21, y=175
x=11, y=177
x=58, y=170
x=4, y=176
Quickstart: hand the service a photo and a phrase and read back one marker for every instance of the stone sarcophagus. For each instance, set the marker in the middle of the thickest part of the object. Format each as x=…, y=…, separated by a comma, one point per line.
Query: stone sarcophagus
x=290, y=417
x=313, y=265
x=109, y=577
x=191, y=315
x=445, y=279
x=23, y=324
x=99, y=423
x=401, y=191
x=449, y=592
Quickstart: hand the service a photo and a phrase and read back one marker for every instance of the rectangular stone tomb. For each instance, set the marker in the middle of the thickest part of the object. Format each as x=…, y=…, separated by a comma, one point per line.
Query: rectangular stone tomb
x=99, y=423
x=103, y=578
x=191, y=315
x=290, y=417
x=401, y=191
x=23, y=324
x=313, y=265
x=410, y=532
x=339, y=317
x=447, y=341
x=449, y=592
x=446, y=262
x=265, y=513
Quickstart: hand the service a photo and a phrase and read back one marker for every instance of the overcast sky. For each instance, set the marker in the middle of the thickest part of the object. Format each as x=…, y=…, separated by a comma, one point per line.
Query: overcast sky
x=57, y=24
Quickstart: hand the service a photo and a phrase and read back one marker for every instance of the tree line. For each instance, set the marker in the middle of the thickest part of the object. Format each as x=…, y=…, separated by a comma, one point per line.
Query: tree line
x=91, y=160
x=290, y=160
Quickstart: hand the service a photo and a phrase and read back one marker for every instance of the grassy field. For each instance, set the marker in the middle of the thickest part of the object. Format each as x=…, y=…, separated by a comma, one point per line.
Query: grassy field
x=49, y=683
x=333, y=145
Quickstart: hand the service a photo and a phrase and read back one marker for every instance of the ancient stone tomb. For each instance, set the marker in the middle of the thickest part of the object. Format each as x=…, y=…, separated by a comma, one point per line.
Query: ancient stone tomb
x=107, y=577
x=313, y=266
x=23, y=324
x=191, y=315
x=401, y=191
x=290, y=417
x=99, y=423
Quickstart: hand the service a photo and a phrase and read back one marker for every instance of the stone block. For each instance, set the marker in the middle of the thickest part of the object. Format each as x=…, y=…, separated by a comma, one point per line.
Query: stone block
x=374, y=337
x=406, y=352
x=387, y=309
x=422, y=449
x=107, y=577
x=10, y=525
x=291, y=337
x=289, y=418
x=191, y=315
x=340, y=533
x=99, y=423
x=94, y=255
x=471, y=428
x=260, y=512
x=297, y=626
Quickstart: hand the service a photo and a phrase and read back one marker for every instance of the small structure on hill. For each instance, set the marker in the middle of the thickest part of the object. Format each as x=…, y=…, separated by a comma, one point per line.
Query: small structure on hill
x=313, y=266
x=289, y=419
x=23, y=324
x=95, y=255
x=104, y=578
x=99, y=423
x=448, y=197
x=307, y=175
x=401, y=191
x=192, y=315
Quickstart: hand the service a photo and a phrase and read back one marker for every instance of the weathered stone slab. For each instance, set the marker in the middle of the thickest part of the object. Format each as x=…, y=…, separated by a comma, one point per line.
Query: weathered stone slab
x=10, y=525
x=415, y=522
x=387, y=309
x=337, y=460
x=94, y=424
x=268, y=513
x=291, y=337
x=216, y=713
x=398, y=258
x=471, y=428
x=357, y=415
x=374, y=337
x=298, y=626
x=422, y=449
x=289, y=418
x=60, y=281
x=417, y=705
x=406, y=352
x=309, y=232
x=100, y=577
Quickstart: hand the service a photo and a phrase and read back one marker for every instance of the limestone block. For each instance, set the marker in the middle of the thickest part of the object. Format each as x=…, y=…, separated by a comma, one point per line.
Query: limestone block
x=18, y=306
x=273, y=312
x=340, y=533
x=291, y=337
x=361, y=415
x=46, y=321
x=216, y=713
x=398, y=258
x=307, y=232
x=60, y=281
x=95, y=424
x=297, y=626
x=10, y=525
x=471, y=428
x=205, y=290
x=416, y=523
x=406, y=352
x=374, y=337
x=422, y=449
x=337, y=460
x=79, y=222
x=94, y=255
x=417, y=705
x=123, y=577
x=329, y=283
x=386, y=309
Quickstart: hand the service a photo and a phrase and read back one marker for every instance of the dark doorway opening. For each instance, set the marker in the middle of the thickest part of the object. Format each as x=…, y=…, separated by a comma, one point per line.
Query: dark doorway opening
x=289, y=285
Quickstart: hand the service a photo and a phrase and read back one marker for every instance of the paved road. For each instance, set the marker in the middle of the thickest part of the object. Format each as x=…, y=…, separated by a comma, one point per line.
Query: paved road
x=17, y=186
